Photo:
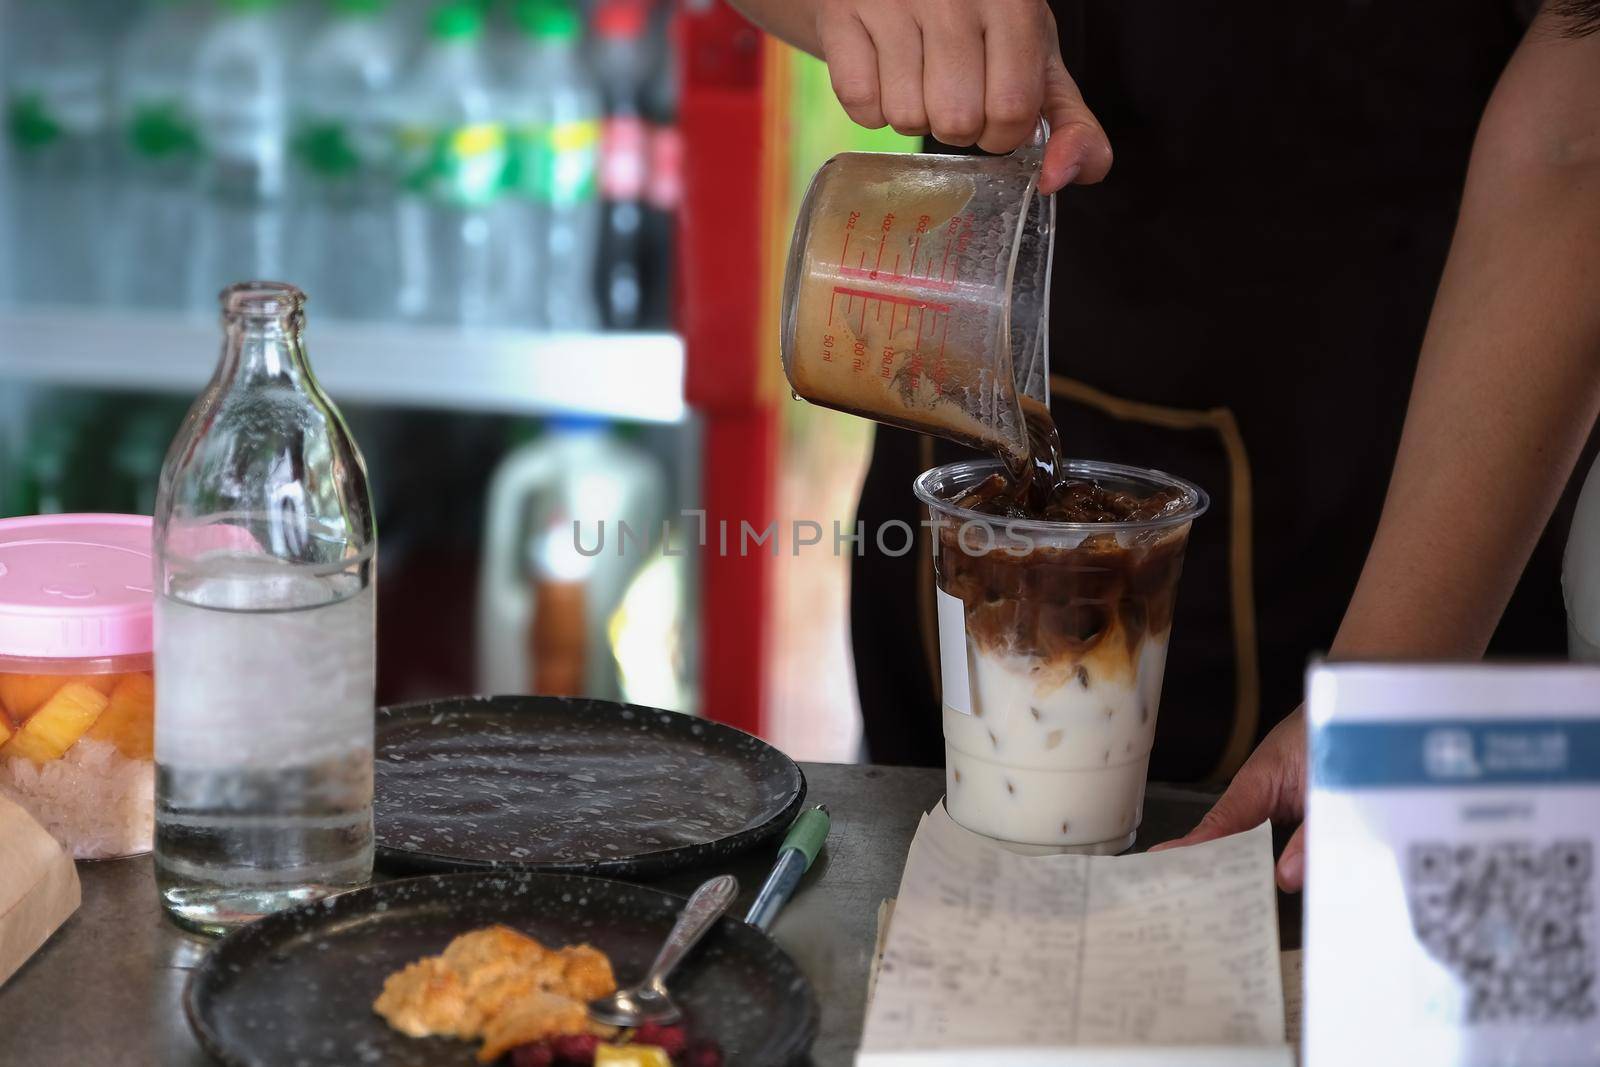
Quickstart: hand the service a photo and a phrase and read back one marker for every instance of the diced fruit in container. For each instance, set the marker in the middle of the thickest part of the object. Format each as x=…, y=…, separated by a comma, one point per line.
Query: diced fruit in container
x=58, y=724
x=24, y=694
x=129, y=721
x=631, y=1056
x=103, y=682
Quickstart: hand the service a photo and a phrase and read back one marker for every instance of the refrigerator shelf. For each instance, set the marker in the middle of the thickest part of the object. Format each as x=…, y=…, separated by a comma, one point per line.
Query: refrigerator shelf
x=635, y=377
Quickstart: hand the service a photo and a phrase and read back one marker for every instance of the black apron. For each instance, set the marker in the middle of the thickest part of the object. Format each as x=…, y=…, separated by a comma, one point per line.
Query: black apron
x=1241, y=302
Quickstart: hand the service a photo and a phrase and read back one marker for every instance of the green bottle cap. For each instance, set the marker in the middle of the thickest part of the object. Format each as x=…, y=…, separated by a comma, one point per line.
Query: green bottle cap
x=807, y=833
x=549, y=19
x=457, y=21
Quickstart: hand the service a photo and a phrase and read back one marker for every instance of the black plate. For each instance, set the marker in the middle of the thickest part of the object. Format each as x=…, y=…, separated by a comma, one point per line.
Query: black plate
x=579, y=786
x=297, y=987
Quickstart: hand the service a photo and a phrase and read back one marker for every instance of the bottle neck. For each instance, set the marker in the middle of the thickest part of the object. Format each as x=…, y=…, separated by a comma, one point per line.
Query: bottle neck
x=264, y=346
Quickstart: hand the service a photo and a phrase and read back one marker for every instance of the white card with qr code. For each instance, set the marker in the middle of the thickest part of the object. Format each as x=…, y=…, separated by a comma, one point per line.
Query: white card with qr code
x=1453, y=821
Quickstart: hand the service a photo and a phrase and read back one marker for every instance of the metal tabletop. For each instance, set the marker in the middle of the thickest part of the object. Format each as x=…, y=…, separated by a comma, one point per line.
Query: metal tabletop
x=107, y=988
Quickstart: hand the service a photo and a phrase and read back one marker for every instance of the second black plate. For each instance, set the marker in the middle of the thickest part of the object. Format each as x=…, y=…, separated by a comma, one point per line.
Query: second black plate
x=296, y=988
x=580, y=786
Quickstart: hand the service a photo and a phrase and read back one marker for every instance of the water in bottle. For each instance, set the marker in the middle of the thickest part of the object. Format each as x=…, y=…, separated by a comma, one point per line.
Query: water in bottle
x=554, y=174
x=158, y=150
x=452, y=165
x=264, y=645
x=58, y=127
x=342, y=143
x=240, y=88
x=623, y=62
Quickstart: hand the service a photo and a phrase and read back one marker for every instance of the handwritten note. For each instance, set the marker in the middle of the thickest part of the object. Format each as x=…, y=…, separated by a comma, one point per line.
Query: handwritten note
x=1168, y=958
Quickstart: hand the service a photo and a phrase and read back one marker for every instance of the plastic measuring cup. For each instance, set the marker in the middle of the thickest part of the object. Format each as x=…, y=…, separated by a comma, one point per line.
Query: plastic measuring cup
x=918, y=289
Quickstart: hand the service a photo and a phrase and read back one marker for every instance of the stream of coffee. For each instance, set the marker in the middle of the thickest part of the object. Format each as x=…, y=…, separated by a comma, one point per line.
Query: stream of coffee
x=1040, y=489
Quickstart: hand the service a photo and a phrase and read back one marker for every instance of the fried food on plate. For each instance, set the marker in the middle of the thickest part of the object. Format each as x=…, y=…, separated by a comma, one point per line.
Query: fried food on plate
x=499, y=985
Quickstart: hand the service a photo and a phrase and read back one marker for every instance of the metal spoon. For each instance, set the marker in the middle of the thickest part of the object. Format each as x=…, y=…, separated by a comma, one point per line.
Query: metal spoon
x=648, y=1002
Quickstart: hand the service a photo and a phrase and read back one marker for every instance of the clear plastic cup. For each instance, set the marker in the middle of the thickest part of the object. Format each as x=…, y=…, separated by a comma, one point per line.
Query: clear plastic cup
x=1053, y=641
x=917, y=293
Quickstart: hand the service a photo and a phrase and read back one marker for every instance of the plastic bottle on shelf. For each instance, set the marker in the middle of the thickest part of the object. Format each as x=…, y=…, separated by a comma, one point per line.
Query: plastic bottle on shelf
x=240, y=90
x=158, y=139
x=342, y=144
x=545, y=596
x=664, y=184
x=59, y=146
x=453, y=160
x=554, y=176
x=622, y=62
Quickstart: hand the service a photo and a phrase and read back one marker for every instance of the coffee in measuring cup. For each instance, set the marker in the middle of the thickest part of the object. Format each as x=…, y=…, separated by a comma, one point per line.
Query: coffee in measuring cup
x=916, y=293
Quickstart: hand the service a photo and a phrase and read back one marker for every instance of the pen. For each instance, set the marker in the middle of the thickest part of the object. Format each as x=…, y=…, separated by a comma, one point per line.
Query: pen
x=800, y=847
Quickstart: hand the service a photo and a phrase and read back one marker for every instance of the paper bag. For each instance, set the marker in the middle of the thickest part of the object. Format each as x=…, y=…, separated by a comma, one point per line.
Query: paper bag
x=38, y=887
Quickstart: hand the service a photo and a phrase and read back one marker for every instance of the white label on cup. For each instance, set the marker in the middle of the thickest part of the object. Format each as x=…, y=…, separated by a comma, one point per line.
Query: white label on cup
x=953, y=652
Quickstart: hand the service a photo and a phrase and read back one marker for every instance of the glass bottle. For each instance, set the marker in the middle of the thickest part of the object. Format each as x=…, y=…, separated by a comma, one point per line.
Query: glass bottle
x=265, y=553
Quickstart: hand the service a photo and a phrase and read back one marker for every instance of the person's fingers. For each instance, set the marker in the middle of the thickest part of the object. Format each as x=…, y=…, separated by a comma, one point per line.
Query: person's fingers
x=897, y=40
x=1249, y=800
x=1292, y=864
x=852, y=67
x=1078, y=151
x=953, y=73
x=1014, y=50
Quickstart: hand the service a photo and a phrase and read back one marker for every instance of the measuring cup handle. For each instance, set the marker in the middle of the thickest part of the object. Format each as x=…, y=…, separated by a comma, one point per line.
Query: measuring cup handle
x=1032, y=150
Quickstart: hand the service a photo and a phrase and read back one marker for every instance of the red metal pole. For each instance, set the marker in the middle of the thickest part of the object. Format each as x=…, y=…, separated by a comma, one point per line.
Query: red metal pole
x=723, y=259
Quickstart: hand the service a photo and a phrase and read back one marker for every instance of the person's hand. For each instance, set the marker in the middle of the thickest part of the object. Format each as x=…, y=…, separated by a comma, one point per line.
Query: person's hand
x=1270, y=785
x=968, y=72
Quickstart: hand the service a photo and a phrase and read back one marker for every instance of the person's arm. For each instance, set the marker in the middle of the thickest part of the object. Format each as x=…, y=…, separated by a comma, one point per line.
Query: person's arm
x=1506, y=392
x=968, y=71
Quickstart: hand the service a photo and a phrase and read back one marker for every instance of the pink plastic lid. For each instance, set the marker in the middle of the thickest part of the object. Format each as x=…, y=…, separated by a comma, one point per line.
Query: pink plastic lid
x=75, y=586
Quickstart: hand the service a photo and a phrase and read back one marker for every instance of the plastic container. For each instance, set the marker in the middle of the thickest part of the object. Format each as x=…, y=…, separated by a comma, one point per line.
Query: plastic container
x=917, y=293
x=545, y=596
x=1053, y=642
x=77, y=698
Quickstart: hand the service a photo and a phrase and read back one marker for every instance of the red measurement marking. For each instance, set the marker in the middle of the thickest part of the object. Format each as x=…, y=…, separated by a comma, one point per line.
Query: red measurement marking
x=920, y=315
x=897, y=264
x=846, y=247
x=831, y=301
x=908, y=301
x=923, y=283
x=864, y=303
x=862, y=262
x=944, y=336
x=879, y=315
x=879, y=261
x=946, y=260
x=894, y=309
x=916, y=245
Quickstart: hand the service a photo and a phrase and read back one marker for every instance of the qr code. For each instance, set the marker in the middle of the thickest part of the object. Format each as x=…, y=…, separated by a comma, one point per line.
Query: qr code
x=1514, y=922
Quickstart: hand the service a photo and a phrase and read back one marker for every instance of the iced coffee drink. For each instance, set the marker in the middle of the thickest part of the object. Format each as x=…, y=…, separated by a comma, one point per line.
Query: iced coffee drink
x=1054, y=617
